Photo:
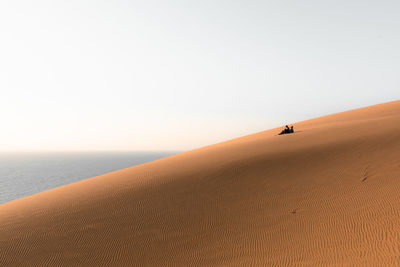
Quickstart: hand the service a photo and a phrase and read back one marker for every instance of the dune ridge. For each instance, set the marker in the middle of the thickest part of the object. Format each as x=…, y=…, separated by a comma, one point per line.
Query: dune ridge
x=328, y=194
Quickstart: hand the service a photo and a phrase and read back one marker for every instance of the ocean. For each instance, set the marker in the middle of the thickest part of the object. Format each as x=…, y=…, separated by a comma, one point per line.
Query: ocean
x=30, y=173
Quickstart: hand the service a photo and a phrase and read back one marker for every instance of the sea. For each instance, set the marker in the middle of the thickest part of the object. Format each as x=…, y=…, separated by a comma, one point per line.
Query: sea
x=24, y=174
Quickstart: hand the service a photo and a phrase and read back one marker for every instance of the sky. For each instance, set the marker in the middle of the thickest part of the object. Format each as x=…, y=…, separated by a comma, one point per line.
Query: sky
x=177, y=75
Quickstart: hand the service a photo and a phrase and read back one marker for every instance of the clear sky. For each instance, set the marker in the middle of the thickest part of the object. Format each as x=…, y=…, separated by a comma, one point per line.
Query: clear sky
x=176, y=75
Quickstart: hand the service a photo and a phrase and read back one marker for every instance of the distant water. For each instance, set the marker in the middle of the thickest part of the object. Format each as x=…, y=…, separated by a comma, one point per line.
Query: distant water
x=27, y=174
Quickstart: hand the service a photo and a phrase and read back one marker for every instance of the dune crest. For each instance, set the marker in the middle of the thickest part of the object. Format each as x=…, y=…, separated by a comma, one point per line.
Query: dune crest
x=329, y=194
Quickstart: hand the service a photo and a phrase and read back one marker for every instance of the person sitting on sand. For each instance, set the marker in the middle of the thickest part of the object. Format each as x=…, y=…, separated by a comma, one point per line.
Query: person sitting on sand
x=287, y=130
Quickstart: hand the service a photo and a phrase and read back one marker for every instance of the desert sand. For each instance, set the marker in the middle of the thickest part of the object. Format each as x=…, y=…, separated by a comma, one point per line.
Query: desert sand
x=328, y=194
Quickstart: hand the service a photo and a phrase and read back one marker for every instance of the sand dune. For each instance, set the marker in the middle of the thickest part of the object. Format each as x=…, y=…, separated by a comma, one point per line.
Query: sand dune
x=326, y=195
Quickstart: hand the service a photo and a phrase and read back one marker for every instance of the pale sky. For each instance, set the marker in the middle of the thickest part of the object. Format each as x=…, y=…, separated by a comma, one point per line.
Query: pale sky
x=177, y=75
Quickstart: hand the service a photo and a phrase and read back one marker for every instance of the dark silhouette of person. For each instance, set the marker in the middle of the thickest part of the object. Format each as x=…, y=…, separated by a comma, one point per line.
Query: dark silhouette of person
x=287, y=130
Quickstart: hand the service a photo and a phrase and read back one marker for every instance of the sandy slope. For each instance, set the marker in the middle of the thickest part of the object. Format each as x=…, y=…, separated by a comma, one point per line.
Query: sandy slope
x=326, y=195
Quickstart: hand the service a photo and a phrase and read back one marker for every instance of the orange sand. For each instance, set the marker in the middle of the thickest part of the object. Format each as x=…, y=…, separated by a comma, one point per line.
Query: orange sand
x=326, y=195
